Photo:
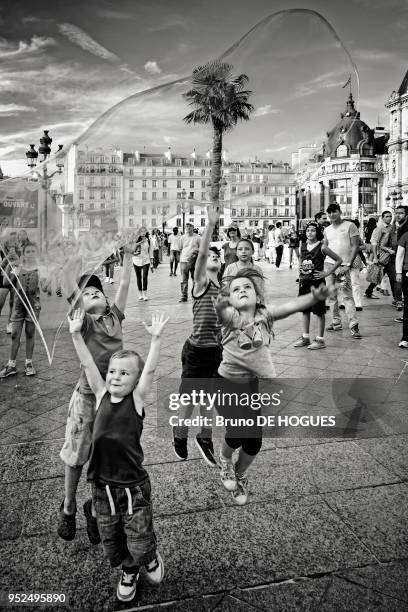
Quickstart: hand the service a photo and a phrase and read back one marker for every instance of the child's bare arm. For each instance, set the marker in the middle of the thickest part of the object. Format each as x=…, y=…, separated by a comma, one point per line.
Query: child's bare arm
x=123, y=289
x=299, y=304
x=145, y=382
x=95, y=380
x=200, y=271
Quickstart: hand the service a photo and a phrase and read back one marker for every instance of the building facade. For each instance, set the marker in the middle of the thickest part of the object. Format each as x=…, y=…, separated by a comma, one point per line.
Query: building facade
x=398, y=146
x=163, y=190
x=350, y=170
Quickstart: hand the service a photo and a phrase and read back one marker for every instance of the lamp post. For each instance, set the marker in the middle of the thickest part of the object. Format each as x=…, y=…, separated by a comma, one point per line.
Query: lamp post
x=44, y=151
x=182, y=204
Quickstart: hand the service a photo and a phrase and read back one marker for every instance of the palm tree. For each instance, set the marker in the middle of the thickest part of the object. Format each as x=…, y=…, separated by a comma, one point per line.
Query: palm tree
x=218, y=97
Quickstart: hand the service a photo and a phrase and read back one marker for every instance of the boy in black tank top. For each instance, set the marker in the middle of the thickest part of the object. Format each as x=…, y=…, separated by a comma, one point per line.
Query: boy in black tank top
x=202, y=352
x=311, y=274
x=121, y=492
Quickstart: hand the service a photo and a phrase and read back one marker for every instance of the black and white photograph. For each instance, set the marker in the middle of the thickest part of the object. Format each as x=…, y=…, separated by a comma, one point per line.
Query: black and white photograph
x=203, y=305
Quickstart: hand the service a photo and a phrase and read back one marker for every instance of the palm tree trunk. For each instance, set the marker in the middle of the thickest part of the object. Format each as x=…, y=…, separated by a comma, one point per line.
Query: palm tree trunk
x=216, y=165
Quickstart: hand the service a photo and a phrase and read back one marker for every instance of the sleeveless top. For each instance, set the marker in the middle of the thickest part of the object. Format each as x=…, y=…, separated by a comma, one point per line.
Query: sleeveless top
x=311, y=261
x=206, y=328
x=230, y=255
x=116, y=454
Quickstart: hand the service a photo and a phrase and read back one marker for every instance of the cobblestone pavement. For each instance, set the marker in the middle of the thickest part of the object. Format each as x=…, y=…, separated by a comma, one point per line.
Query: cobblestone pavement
x=326, y=524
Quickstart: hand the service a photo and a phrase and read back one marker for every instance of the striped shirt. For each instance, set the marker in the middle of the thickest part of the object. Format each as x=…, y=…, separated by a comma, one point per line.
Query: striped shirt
x=206, y=329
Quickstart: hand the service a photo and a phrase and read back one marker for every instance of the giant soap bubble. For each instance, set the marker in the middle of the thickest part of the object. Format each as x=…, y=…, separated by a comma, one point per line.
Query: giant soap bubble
x=141, y=164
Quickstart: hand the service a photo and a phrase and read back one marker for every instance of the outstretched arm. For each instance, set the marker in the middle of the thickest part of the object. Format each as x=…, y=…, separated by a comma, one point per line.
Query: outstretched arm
x=95, y=380
x=146, y=378
x=123, y=289
x=299, y=304
x=200, y=272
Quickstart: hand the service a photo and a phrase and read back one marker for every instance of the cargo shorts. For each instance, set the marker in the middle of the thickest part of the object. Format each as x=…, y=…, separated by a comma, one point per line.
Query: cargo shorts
x=78, y=433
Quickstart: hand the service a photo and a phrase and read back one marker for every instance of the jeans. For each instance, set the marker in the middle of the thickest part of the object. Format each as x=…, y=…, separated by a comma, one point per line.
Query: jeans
x=356, y=286
x=404, y=286
x=141, y=276
x=279, y=253
x=348, y=300
x=186, y=269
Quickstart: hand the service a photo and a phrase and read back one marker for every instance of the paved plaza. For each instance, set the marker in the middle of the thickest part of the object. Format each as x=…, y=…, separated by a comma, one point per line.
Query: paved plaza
x=326, y=524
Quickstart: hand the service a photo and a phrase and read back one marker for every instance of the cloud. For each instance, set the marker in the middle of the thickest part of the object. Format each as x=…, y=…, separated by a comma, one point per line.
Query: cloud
x=277, y=149
x=86, y=42
x=11, y=110
x=8, y=49
x=373, y=55
x=152, y=67
x=324, y=81
x=265, y=110
x=171, y=21
x=110, y=14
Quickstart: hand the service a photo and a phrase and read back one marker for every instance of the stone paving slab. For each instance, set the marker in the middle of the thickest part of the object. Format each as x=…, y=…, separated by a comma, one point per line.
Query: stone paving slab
x=378, y=516
x=330, y=593
x=392, y=452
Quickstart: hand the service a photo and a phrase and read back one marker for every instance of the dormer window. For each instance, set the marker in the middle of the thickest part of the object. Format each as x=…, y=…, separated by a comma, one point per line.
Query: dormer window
x=341, y=151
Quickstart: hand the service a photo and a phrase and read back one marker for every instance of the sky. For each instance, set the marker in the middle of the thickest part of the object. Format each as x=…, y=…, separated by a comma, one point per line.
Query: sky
x=65, y=64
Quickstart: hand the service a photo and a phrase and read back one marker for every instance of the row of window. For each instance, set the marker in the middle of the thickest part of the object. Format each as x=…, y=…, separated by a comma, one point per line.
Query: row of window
x=260, y=212
x=92, y=195
x=249, y=178
x=91, y=206
x=165, y=161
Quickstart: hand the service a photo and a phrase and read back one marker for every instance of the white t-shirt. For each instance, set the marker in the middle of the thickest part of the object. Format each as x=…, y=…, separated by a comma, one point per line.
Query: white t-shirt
x=278, y=237
x=175, y=242
x=339, y=240
x=190, y=245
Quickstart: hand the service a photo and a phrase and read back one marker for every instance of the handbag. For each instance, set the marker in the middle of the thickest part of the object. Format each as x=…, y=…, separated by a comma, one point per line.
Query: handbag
x=384, y=256
x=374, y=273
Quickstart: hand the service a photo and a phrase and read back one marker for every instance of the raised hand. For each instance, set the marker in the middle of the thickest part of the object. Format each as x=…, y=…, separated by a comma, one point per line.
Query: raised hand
x=213, y=212
x=75, y=320
x=321, y=292
x=159, y=321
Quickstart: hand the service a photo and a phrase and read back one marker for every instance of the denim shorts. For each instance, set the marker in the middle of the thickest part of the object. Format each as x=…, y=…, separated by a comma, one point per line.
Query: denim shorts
x=125, y=522
x=78, y=432
x=20, y=311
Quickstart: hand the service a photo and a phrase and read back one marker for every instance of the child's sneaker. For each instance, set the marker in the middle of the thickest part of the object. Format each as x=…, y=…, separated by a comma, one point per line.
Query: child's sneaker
x=317, y=344
x=127, y=584
x=9, y=328
x=29, y=370
x=91, y=523
x=66, y=525
x=7, y=370
x=155, y=570
x=355, y=332
x=302, y=342
x=334, y=327
x=227, y=475
x=206, y=448
x=240, y=495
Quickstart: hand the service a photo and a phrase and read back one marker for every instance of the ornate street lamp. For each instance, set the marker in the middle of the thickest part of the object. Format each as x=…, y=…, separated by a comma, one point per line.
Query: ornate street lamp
x=44, y=151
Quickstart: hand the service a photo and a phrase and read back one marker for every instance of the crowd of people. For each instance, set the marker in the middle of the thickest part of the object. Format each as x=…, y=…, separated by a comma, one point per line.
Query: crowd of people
x=228, y=347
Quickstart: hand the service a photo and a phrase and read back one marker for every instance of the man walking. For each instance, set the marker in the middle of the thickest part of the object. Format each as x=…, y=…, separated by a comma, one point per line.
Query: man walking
x=278, y=243
x=190, y=244
x=175, y=248
x=343, y=238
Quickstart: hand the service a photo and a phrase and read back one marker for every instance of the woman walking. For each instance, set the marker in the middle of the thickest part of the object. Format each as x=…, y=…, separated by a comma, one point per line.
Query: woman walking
x=142, y=260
